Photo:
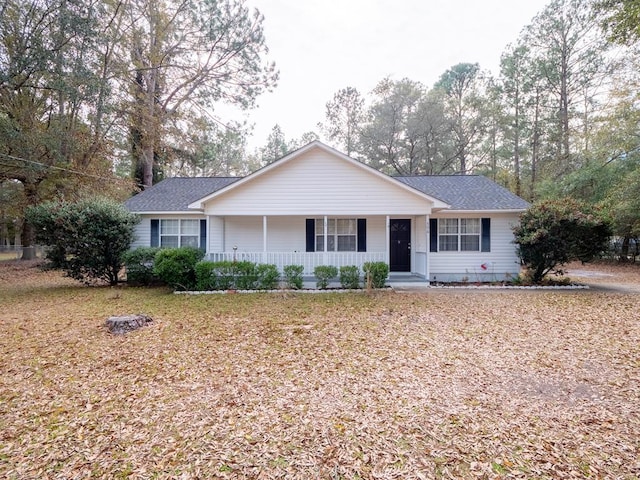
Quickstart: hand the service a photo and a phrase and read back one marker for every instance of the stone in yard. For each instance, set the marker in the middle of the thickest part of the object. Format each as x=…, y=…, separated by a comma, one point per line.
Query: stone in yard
x=126, y=323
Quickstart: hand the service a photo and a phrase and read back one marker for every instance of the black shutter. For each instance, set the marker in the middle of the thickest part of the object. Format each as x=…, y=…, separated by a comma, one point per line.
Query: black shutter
x=486, y=235
x=203, y=235
x=362, y=234
x=311, y=235
x=433, y=234
x=155, y=233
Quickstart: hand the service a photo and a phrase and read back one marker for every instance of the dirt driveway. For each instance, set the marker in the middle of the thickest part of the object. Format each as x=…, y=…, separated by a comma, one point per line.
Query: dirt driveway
x=606, y=277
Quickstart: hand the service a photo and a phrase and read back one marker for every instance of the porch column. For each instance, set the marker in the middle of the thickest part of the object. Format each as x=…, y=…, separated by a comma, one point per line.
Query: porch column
x=264, y=233
x=387, y=229
x=427, y=259
x=326, y=238
x=207, y=247
x=264, y=239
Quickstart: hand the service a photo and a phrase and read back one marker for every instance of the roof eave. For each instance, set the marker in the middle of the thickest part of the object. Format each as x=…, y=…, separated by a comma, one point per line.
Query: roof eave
x=495, y=210
x=168, y=212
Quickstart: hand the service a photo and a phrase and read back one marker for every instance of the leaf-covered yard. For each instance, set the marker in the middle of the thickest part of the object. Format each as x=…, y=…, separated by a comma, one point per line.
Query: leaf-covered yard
x=453, y=384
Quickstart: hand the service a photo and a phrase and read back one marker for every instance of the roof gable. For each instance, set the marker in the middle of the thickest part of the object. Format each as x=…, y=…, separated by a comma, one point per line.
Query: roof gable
x=335, y=160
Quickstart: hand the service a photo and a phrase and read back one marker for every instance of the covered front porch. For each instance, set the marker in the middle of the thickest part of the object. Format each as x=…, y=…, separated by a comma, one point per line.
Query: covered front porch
x=400, y=242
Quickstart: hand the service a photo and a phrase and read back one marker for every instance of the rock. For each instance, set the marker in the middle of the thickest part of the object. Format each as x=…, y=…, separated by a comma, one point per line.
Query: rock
x=126, y=323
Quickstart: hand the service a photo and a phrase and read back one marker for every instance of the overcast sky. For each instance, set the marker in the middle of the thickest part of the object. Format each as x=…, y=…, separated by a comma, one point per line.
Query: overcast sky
x=321, y=46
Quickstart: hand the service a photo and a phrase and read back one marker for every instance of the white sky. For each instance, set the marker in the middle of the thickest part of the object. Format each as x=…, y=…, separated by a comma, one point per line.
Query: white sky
x=321, y=46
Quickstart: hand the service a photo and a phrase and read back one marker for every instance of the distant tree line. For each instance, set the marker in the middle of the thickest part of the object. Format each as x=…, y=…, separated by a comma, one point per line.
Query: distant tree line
x=108, y=96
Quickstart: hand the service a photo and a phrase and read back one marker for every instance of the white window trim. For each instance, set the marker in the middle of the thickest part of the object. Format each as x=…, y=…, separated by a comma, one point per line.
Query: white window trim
x=180, y=233
x=459, y=235
x=336, y=235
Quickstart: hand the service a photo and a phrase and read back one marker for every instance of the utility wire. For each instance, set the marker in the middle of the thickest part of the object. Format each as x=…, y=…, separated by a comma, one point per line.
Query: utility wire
x=63, y=169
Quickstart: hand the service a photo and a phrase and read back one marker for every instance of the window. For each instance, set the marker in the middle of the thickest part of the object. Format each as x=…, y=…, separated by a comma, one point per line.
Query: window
x=459, y=234
x=179, y=233
x=341, y=234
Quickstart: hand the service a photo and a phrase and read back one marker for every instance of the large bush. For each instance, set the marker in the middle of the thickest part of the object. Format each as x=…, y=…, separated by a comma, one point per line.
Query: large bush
x=176, y=266
x=552, y=233
x=86, y=239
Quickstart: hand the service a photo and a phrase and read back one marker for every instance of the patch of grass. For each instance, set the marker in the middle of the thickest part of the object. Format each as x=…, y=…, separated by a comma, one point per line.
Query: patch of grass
x=4, y=256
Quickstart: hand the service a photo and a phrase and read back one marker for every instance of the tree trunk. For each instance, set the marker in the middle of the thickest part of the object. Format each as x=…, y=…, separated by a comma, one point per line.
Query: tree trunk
x=127, y=323
x=516, y=147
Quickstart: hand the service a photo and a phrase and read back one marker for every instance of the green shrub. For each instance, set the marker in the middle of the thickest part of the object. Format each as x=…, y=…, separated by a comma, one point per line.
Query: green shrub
x=293, y=276
x=350, y=276
x=176, y=266
x=86, y=239
x=324, y=273
x=207, y=275
x=215, y=275
x=244, y=275
x=375, y=274
x=236, y=275
x=554, y=232
x=268, y=276
x=139, y=266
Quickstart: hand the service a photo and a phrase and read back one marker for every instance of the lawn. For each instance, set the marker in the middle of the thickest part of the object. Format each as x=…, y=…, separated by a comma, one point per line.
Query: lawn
x=442, y=384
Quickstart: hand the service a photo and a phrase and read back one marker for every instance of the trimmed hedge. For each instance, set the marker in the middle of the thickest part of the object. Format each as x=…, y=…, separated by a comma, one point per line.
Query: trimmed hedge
x=375, y=274
x=176, y=266
x=229, y=275
x=350, y=276
x=324, y=274
x=293, y=276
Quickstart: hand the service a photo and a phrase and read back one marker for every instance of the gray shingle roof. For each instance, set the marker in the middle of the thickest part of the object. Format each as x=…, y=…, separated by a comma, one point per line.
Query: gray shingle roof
x=462, y=192
x=466, y=192
x=175, y=194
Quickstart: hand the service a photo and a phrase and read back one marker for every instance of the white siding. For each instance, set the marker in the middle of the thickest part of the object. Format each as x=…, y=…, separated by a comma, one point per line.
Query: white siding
x=216, y=234
x=318, y=183
x=419, y=245
x=502, y=260
x=244, y=233
x=376, y=234
x=286, y=234
x=142, y=233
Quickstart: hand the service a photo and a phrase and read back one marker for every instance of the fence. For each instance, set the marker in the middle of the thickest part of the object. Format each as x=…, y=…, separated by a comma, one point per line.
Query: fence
x=308, y=260
x=16, y=252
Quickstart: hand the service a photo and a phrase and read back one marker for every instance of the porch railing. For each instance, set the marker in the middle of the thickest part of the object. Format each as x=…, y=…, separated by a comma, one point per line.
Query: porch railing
x=310, y=260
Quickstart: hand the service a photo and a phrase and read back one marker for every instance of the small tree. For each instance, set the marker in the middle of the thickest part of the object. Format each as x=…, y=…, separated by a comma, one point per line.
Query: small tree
x=552, y=233
x=86, y=239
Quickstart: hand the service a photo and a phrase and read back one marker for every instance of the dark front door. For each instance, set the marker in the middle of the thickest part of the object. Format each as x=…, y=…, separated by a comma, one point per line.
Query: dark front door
x=400, y=239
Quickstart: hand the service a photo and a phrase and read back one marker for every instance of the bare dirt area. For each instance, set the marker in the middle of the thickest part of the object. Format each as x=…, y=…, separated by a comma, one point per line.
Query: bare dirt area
x=462, y=384
x=606, y=275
